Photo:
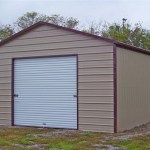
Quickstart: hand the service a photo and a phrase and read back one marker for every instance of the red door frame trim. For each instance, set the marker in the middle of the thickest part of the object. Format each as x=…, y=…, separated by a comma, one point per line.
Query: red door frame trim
x=12, y=83
x=115, y=86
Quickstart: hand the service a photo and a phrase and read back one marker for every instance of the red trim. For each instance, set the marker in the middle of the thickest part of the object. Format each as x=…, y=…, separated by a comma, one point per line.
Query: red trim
x=119, y=44
x=132, y=48
x=29, y=57
x=52, y=25
x=79, y=32
x=77, y=93
x=20, y=33
x=12, y=93
x=115, y=86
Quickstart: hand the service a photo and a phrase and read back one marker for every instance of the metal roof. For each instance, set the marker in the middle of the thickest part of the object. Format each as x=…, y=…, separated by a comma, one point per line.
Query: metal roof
x=119, y=44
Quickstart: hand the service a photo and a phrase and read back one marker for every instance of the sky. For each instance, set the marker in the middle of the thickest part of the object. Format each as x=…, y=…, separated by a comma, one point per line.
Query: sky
x=84, y=10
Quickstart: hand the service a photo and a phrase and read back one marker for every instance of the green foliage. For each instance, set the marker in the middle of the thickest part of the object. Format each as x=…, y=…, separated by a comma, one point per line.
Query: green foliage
x=31, y=18
x=71, y=22
x=133, y=35
x=5, y=31
x=137, y=143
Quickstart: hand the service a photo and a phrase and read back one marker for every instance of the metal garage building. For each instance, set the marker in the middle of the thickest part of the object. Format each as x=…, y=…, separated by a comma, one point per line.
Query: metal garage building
x=57, y=77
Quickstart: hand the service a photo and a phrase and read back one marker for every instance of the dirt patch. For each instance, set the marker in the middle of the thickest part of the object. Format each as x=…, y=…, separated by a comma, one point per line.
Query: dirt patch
x=106, y=147
x=142, y=130
x=33, y=146
x=56, y=133
x=129, y=134
x=37, y=146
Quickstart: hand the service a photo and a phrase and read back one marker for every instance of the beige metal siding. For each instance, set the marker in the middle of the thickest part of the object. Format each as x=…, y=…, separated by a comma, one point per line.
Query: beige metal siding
x=95, y=72
x=133, y=89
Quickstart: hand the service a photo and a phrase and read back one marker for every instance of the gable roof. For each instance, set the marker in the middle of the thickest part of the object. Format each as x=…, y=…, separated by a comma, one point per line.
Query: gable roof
x=38, y=24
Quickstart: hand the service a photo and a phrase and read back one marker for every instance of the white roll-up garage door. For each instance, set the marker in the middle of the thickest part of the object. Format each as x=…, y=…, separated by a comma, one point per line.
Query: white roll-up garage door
x=45, y=92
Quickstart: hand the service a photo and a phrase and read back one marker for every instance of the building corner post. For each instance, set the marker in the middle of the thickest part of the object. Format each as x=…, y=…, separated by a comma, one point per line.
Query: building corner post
x=115, y=86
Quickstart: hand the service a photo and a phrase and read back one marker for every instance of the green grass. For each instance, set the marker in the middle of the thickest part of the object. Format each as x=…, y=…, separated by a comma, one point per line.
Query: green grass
x=34, y=139
x=136, y=143
x=25, y=138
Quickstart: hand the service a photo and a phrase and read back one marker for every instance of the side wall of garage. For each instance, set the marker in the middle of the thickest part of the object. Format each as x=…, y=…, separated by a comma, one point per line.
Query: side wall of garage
x=95, y=73
x=133, y=89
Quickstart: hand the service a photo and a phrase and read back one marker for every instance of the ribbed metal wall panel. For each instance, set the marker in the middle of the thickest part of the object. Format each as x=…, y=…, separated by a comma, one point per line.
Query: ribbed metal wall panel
x=133, y=89
x=95, y=73
x=46, y=89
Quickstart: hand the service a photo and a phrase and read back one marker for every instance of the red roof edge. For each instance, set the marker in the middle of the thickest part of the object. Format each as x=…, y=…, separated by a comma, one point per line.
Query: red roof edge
x=79, y=32
x=20, y=33
x=132, y=48
x=52, y=25
x=119, y=44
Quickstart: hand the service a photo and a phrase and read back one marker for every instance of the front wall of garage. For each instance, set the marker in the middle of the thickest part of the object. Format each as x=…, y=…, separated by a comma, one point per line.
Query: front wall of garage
x=95, y=73
x=133, y=89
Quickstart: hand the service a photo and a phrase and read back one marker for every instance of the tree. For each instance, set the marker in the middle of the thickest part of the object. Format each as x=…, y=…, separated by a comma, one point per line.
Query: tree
x=31, y=18
x=6, y=31
x=93, y=28
x=126, y=33
x=131, y=34
x=71, y=22
x=65, y=22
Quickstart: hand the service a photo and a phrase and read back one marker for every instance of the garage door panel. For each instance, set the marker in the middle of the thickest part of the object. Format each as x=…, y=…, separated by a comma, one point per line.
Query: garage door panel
x=48, y=93
x=45, y=89
x=51, y=124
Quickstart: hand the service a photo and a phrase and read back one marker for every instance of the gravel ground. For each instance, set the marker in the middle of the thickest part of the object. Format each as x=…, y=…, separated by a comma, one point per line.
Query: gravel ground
x=126, y=135
x=137, y=131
